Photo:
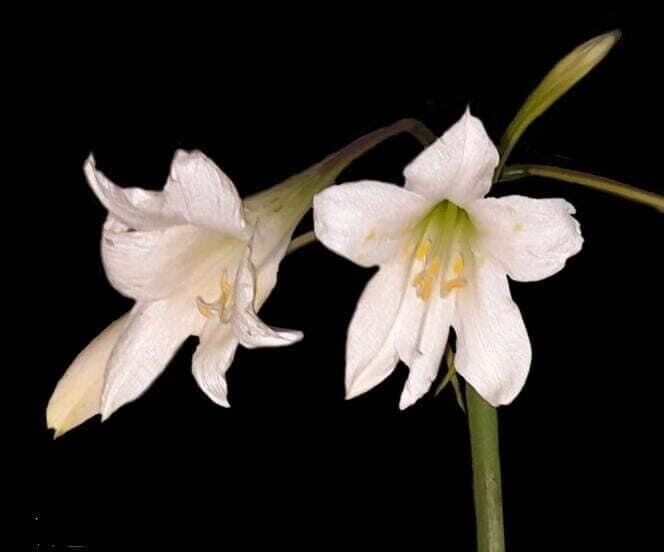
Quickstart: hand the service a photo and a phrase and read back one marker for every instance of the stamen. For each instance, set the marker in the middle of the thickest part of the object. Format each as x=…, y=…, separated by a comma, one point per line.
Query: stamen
x=418, y=278
x=449, y=285
x=458, y=265
x=222, y=306
x=423, y=281
x=434, y=267
x=422, y=249
x=225, y=285
x=204, y=307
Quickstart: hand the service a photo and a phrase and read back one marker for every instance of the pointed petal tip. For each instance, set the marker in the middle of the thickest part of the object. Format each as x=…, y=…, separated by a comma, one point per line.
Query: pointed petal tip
x=90, y=168
x=352, y=390
x=297, y=335
x=106, y=412
x=406, y=400
x=57, y=432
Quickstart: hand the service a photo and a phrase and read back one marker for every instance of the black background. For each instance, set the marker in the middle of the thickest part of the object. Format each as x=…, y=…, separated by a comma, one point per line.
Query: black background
x=291, y=462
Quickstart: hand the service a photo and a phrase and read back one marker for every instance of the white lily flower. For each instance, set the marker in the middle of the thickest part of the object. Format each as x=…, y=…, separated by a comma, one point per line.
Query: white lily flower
x=444, y=252
x=197, y=262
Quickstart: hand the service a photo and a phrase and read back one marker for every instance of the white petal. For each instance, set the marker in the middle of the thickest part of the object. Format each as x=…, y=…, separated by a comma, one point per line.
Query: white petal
x=365, y=221
x=249, y=330
x=134, y=207
x=153, y=334
x=212, y=359
x=268, y=269
x=371, y=353
x=531, y=238
x=199, y=193
x=150, y=265
x=77, y=397
x=423, y=332
x=493, y=348
x=458, y=166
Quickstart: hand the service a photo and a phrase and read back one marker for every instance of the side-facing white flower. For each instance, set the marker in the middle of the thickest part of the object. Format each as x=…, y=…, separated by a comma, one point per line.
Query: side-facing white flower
x=197, y=261
x=444, y=252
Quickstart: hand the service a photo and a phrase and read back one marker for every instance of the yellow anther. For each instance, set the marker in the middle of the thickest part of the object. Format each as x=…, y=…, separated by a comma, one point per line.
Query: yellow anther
x=203, y=308
x=449, y=285
x=225, y=286
x=422, y=249
x=457, y=268
x=434, y=267
x=222, y=304
x=424, y=289
x=423, y=280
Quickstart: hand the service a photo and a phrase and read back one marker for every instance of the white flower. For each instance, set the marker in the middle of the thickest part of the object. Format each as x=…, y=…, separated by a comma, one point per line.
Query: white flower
x=197, y=261
x=444, y=252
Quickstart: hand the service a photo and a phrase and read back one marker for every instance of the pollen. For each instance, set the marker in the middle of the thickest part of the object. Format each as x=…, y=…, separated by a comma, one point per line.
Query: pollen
x=449, y=285
x=222, y=305
x=203, y=307
x=423, y=280
x=370, y=235
x=518, y=226
x=457, y=268
x=225, y=285
x=422, y=249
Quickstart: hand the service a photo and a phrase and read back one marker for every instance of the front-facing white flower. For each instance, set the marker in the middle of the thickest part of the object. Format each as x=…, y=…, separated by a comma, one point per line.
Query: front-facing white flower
x=198, y=261
x=444, y=252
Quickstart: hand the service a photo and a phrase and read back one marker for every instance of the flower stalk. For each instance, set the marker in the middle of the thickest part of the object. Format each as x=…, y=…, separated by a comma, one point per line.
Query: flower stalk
x=487, y=490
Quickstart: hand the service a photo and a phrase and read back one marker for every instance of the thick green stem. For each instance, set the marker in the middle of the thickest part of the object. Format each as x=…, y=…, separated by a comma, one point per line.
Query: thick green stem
x=483, y=424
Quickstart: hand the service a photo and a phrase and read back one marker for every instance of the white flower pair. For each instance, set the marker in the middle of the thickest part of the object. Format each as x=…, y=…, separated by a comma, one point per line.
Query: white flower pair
x=200, y=261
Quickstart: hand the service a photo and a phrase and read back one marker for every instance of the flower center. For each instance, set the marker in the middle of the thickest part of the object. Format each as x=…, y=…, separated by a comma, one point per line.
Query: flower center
x=442, y=253
x=222, y=306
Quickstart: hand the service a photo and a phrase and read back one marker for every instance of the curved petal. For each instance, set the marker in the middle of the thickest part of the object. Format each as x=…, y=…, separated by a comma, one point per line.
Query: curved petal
x=199, y=193
x=423, y=330
x=371, y=353
x=153, y=334
x=458, y=166
x=212, y=359
x=531, y=238
x=493, y=349
x=153, y=264
x=365, y=221
x=77, y=396
x=249, y=330
x=138, y=209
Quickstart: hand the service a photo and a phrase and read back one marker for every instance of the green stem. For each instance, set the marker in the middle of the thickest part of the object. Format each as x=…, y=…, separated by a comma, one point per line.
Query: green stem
x=483, y=424
x=513, y=172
